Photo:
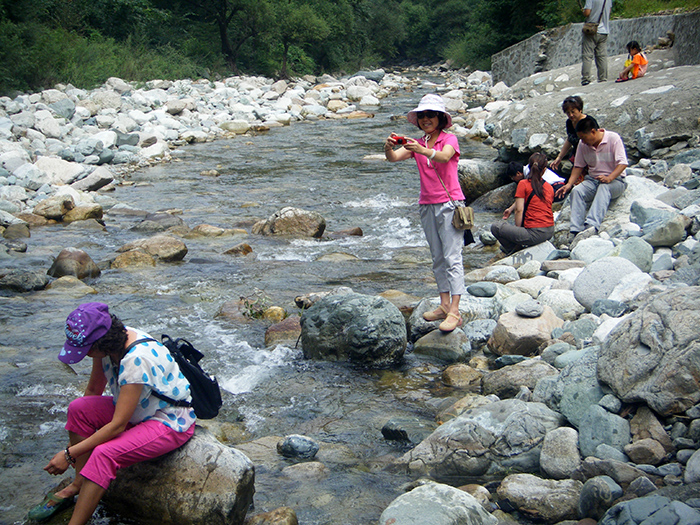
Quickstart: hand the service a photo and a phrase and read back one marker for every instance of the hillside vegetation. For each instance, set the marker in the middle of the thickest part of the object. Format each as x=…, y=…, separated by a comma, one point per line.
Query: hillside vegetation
x=83, y=42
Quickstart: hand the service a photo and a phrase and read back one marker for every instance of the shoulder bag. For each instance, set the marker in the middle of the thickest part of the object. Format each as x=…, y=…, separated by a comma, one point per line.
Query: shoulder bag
x=591, y=28
x=463, y=216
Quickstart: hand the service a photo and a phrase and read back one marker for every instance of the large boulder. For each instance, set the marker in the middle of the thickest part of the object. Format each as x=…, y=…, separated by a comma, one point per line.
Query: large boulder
x=354, y=327
x=436, y=504
x=491, y=439
x=292, y=221
x=201, y=482
x=480, y=176
x=599, y=279
x=507, y=381
x=652, y=510
x=658, y=347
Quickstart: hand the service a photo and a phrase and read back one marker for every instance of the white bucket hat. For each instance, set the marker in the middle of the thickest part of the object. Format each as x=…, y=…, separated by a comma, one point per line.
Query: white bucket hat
x=428, y=103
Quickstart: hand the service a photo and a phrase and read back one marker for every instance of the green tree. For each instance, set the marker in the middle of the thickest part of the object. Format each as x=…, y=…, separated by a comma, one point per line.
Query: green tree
x=297, y=24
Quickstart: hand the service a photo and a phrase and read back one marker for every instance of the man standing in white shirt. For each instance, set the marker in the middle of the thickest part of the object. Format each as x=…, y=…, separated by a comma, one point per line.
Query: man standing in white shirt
x=595, y=46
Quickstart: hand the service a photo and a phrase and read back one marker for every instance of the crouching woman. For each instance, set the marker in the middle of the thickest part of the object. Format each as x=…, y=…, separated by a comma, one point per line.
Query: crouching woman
x=131, y=425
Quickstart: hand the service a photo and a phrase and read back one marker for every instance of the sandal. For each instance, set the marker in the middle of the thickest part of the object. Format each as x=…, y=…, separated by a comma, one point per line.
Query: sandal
x=439, y=313
x=448, y=325
x=44, y=511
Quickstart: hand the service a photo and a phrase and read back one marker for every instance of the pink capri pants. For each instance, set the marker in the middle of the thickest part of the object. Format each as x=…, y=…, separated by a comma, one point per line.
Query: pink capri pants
x=146, y=440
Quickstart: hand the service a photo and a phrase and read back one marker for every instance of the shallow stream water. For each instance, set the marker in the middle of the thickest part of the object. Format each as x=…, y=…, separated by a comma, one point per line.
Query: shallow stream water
x=315, y=166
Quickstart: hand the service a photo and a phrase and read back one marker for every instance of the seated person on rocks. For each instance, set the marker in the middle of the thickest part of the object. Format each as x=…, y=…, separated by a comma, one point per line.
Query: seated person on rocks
x=603, y=153
x=635, y=65
x=517, y=172
x=534, y=222
x=132, y=425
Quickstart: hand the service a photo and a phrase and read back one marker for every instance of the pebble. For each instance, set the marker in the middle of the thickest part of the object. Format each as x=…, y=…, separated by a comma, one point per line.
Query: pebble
x=482, y=289
x=530, y=309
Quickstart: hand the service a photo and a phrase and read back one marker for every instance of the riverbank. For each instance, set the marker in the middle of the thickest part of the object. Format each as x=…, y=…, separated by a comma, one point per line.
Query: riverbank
x=548, y=407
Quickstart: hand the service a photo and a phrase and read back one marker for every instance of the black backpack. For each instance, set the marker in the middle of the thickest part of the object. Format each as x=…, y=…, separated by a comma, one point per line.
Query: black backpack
x=206, y=395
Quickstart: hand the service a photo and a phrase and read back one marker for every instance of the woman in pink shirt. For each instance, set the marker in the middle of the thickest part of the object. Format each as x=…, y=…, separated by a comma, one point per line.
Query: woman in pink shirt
x=437, y=156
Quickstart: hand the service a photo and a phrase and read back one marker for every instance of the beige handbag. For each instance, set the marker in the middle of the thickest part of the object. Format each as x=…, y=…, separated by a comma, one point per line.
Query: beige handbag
x=463, y=216
x=591, y=28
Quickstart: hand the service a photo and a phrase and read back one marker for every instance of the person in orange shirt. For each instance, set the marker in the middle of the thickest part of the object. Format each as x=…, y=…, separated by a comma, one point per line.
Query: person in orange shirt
x=635, y=65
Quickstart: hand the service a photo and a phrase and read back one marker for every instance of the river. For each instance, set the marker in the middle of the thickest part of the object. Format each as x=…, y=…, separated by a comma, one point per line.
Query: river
x=316, y=166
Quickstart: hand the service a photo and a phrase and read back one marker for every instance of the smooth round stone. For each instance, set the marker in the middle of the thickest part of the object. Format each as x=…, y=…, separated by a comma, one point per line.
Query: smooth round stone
x=608, y=306
x=530, y=309
x=482, y=289
x=558, y=254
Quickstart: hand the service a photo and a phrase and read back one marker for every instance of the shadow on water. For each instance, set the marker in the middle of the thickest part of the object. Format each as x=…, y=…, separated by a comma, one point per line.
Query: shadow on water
x=269, y=391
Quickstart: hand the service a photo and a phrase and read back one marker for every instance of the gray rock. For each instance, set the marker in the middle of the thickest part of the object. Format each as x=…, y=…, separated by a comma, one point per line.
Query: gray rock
x=692, y=468
x=297, y=446
x=437, y=504
x=447, y=346
x=636, y=250
x=666, y=231
x=24, y=281
x=657, y=346
x=610, y=403
x=482, y=289
x=72, y=261
x=487, y=238
x=641, y=487
x=506, y=382
x=677, y=175
x=651, y=510
x=547, y=500
x=553, y=351
x=605, y=451
x=600, y=426
x=479, y=331
x=597, y=496
x=529, y=309
x=487, y=439
x=353, y=327
x=609, y=307
x=599, y=279
x=210, y=482
x=560, y=455
x=592, y=249
x=574, y=390
x=502, y=274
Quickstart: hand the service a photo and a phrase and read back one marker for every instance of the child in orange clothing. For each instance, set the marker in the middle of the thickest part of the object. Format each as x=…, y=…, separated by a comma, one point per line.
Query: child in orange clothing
x=635, y=65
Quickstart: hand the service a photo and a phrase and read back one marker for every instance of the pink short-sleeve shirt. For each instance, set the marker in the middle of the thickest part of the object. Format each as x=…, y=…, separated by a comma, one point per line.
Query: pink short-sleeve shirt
x=431, y=191
x=604, y=158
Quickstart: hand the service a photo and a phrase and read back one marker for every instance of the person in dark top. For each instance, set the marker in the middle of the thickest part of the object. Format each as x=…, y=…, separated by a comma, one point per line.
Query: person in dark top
x=573, y=109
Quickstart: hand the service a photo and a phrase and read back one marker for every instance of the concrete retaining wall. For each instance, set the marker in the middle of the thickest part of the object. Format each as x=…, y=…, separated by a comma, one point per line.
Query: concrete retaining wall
x=561, y=46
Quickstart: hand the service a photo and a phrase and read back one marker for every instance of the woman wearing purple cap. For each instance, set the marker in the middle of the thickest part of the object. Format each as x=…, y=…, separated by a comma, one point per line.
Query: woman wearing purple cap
x=131, y=425
x=437, y=156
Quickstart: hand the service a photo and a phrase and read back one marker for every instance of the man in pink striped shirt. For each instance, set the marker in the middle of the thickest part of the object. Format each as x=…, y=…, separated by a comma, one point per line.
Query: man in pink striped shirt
x=603, y=153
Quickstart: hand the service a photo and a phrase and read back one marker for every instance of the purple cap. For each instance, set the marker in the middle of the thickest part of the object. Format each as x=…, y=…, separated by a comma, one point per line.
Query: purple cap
x=85, y=325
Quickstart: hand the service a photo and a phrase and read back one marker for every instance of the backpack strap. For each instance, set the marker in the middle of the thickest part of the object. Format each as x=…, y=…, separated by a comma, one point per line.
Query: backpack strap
x=175, y=402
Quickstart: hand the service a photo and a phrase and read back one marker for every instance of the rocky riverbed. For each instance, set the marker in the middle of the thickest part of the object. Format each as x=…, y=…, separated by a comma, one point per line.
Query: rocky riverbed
x=576, y=370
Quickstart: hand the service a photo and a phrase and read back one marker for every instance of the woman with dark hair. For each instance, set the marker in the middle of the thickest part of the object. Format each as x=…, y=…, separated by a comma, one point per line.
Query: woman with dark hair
x=534, y=221
x=132, y=425
x=573, y=109
x=437, y=156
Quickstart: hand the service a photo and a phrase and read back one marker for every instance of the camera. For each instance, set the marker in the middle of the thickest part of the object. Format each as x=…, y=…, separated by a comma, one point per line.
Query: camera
x=401, y=140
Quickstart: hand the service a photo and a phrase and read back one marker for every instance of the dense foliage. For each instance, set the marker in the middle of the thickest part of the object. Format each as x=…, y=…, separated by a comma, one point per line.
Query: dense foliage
x=82, y=42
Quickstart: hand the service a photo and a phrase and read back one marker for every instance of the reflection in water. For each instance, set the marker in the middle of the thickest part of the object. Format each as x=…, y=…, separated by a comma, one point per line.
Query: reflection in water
x=269, y=392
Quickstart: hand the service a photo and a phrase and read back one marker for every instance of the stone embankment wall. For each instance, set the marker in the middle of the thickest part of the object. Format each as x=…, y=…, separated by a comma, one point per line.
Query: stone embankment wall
x=561, y=46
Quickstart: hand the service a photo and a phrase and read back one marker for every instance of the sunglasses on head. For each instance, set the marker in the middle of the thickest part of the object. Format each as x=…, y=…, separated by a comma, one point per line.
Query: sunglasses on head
x=426, y=114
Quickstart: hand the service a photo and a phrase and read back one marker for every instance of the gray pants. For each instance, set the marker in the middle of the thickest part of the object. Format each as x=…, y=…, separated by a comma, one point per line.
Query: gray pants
x=598, y=195
x=446, y=244
x=514, y=238
x=594, y=46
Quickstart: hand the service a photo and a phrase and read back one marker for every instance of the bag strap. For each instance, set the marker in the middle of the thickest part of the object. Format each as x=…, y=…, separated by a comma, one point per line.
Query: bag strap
x=178, y=403
x=602, y=10
x=527, y=201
